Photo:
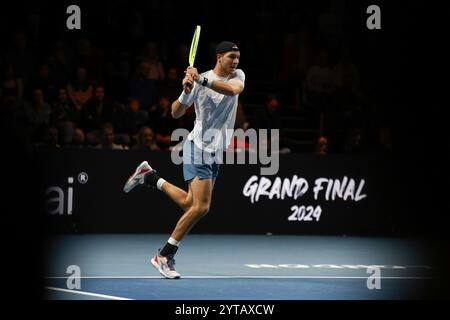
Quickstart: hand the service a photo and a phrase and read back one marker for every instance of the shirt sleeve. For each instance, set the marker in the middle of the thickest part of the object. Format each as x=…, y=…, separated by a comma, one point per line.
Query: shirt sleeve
x=239, y=75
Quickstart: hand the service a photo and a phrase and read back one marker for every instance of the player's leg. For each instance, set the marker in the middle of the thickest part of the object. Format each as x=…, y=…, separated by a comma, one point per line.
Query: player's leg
x=146, y=175
x=201, y=202
x=182, y=198
x=201, y=190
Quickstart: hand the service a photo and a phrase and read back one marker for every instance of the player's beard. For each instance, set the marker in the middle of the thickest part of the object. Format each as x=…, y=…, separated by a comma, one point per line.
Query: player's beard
x=229, y=69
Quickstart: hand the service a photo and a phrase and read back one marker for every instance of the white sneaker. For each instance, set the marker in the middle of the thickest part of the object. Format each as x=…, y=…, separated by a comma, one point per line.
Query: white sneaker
x=137, y=177
x=165, y=266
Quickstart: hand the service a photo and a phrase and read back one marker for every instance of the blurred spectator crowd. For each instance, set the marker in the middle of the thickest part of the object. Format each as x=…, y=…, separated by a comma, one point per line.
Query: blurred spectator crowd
x=114, y=90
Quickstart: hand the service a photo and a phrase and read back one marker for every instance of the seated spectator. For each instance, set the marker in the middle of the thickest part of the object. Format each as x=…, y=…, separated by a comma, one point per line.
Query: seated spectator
x=269, y=116
x=107, y=138
x=97, y=111
x=322, y=146
x=60, y=66
x=170, y=87
x=44, y=82
x=12, y=85
x=50, y=140
x=146, y=140
x=91, y=57
x=78, y=139
x=142, y=87
x=130, y=120
x=80, y=90
x=20, y=54
x=164, y=123
x=151, y=57
x=65, y=115
x=38, y=113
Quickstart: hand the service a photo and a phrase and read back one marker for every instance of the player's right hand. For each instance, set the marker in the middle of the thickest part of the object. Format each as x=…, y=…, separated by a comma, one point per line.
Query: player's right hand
x=188, y=83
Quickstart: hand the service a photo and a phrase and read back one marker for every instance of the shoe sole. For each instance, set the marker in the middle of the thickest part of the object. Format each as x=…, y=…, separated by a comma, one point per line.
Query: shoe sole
x=156, y=265
x=130, y=180
x=128, y=188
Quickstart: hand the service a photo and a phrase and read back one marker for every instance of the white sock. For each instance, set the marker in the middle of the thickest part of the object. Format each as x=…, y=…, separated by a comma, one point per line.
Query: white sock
x=159, y=183
x=173, y=242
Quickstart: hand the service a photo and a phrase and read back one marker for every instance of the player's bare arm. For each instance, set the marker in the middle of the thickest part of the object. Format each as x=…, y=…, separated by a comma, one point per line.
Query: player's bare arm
x=179, y=109
x=231, y=87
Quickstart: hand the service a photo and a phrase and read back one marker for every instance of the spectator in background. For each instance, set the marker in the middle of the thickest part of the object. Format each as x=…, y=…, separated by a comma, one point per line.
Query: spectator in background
x=131, y=119
x=65, y=115
x=44, y=81
x=91, y=58
x=170, y=87
x=60, y=66
x=322, y=146
x=143, y=88
x=21, y=57
x=107, y=138
x=63, y=110
x=78, y=139
x=97, y=111
x=151, y=57
x=50, y=140
x=38, y=113
x=12, y=85
x=269, y=116
x=117, y=77
x=146, y=140
x=80, y=91
x=164, y=123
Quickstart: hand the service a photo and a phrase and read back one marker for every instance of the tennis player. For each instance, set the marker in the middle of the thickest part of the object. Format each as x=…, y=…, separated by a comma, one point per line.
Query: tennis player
x=215, y=97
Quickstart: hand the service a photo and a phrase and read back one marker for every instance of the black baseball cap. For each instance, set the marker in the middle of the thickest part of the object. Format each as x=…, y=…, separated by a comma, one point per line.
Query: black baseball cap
x=226, y=46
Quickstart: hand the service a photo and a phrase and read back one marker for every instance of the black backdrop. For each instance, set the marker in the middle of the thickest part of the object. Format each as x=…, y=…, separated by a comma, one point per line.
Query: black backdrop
x=99, y=205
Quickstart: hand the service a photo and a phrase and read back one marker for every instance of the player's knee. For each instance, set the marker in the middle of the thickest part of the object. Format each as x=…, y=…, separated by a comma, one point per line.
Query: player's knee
x=201, y=210
x=187, y=203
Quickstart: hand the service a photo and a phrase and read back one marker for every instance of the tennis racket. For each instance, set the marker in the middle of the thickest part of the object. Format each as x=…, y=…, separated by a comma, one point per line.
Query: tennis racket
x=194, y=45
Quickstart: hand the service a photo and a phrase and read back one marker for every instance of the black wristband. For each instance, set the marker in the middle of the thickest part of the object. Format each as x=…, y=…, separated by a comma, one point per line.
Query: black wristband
x=205, y=81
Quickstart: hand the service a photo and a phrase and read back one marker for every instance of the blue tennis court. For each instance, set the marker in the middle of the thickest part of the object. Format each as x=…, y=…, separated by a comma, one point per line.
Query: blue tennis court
x=239, y=267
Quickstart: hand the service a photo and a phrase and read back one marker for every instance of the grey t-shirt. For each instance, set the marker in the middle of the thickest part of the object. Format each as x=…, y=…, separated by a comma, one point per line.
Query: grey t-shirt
x=215, y=113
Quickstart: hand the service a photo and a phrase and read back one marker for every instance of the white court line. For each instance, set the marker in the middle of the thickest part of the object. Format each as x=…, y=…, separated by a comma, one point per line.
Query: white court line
x=241, y=277
x=87, y=293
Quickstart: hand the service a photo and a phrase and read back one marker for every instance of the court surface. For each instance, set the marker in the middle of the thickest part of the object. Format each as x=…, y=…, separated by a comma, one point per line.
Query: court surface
x=240, y=267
